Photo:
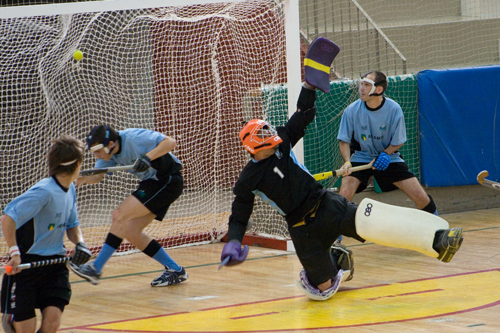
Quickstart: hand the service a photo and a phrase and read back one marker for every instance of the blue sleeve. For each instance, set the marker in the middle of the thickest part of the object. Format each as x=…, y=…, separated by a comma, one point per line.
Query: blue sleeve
x=399, y=133
x=24, y=207
x=145, y=140
x=346, y=128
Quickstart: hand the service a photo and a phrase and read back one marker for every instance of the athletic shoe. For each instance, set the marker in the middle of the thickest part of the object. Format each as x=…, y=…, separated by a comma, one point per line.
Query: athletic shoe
x=86, y=271
x=447, y=242
x=8, y=323
x=170, y=277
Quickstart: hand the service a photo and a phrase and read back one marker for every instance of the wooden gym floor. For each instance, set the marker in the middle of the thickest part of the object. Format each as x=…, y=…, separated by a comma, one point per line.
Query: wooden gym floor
x=392, y=290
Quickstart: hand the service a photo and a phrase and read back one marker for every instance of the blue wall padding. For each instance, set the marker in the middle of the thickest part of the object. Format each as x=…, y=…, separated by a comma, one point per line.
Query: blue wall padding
x=458, y=125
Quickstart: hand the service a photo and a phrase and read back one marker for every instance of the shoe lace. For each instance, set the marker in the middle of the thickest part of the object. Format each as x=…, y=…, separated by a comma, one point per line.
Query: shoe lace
x=89, y=269
x=169, y=276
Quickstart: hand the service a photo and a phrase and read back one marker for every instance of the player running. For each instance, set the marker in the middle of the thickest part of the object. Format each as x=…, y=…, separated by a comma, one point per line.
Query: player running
x=161, y=184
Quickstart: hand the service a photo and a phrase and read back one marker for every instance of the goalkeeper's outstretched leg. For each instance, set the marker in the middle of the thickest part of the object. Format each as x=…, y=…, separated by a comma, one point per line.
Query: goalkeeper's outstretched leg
x=407, y=228
x=376, y=222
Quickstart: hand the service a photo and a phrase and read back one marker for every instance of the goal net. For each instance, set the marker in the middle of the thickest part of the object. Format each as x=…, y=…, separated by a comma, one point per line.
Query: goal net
x=400, y=38
x=321, y=148
x=194, y=72
x=405, y=36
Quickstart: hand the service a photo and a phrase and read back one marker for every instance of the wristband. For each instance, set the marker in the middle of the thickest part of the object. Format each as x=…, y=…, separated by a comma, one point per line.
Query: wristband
x=14, y=251
x=348, y=162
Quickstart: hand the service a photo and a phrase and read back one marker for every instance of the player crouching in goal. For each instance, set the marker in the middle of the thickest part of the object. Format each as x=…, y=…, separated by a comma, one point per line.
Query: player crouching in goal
x=317, y=217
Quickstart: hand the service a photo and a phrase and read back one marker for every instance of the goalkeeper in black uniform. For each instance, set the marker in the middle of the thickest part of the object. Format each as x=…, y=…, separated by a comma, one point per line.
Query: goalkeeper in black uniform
x=317, y=217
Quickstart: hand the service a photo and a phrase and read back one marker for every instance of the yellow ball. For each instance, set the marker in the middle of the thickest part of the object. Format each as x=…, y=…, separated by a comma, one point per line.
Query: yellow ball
x=78, y=55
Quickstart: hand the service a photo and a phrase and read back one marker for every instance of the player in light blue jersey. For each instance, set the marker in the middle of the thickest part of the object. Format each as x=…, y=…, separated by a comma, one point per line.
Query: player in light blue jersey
x=373, y=128
x=34, y=226
x=161, y=184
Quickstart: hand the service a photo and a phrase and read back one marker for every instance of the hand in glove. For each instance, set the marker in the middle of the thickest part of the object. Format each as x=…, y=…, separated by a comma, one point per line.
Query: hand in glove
x=142, y=163
x=81, y=254
x=236, y=254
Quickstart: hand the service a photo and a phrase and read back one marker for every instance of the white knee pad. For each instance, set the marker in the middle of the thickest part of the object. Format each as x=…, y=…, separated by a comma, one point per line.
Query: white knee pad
x=400, y=227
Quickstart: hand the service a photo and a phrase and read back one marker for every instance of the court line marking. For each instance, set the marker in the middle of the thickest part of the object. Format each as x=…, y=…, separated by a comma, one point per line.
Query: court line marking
x=89, y=326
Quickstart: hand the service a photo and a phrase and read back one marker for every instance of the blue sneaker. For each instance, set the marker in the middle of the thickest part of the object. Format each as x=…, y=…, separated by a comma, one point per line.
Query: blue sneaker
x=170, y=277
x=86, y=271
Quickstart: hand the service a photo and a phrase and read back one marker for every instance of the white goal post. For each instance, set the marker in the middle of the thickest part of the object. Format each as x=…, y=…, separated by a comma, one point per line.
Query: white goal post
x=185, y=70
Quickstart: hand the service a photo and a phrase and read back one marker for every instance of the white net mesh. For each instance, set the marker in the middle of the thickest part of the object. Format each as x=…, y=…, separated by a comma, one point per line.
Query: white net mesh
x=320, y=143
x=400, y=38
x=428, y=34
x=195, y=73
x=185, y=71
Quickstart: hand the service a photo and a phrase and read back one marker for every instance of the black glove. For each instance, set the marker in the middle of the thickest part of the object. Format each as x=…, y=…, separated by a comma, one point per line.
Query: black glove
x=81, y=254
x=142, y=163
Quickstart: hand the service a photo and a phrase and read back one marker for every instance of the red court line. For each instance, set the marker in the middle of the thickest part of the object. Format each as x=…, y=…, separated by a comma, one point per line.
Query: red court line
x=257, y=315
x=406, y=294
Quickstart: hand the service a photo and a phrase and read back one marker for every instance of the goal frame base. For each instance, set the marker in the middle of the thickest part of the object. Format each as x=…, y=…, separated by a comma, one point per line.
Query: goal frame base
x=266, y=242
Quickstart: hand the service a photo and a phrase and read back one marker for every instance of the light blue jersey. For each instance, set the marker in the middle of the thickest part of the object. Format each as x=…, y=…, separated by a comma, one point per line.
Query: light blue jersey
x=44, y=213
x=373, y=130
x=133, y=143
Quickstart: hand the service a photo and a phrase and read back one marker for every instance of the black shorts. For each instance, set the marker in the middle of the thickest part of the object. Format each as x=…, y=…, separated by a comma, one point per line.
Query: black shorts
x=35, y=288
x=385, y=179
x=334, y=217
x=157, y=196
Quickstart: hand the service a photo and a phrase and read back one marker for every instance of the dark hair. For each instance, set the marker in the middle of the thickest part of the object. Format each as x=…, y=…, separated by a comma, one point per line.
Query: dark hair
x=64, y=155
x=380, y=79
x=101, y=134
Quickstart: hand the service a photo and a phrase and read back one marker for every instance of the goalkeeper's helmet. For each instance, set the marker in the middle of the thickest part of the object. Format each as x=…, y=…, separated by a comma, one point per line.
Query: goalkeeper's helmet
x=258, y=135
